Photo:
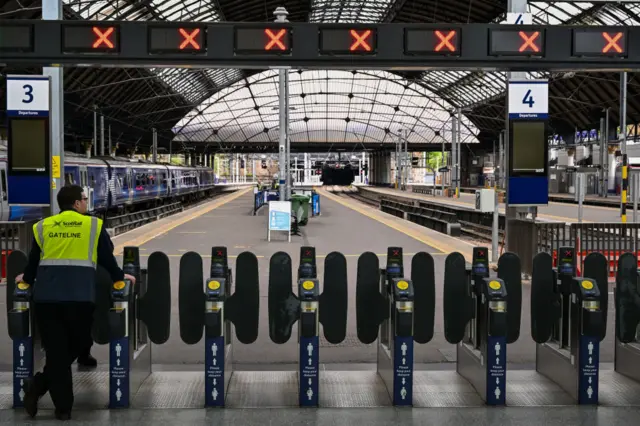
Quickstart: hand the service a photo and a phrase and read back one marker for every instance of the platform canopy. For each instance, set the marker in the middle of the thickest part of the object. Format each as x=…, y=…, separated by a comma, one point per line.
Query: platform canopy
x=192, y=106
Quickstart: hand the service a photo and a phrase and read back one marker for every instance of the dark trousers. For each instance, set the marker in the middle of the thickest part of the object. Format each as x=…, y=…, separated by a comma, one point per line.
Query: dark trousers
x=64, y=328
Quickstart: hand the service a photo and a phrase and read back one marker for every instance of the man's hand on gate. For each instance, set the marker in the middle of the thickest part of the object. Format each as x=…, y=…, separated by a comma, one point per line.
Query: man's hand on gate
x=19, y=278
x=130, y=278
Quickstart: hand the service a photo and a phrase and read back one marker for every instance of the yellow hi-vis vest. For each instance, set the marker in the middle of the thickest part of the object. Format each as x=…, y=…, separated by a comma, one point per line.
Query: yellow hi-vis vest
x=68, y=239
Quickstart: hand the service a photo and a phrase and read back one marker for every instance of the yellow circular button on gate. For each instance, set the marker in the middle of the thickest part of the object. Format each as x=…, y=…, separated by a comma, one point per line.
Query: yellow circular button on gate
x=403, y=285
x=587, y=285
x=214, y=285
x=119, y=285
x=308, y=285
x=23, y=286
x=495, y=285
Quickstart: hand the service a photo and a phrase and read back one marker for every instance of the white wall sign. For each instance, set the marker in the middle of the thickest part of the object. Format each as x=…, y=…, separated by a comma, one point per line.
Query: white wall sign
x=279, y=218
x=27, y=95
x=529, y=99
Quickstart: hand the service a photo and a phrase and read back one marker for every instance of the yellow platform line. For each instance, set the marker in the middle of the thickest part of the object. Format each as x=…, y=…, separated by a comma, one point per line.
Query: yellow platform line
x=159, y=230
x=438, y=245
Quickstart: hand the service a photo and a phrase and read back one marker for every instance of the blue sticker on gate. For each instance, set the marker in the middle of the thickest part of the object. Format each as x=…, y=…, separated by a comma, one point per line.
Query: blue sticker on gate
x=496, y=370
x=588, y=373
x=214, y=371
x=119, y=392
x=22, y=368
x=403, y=371
x=309, y=376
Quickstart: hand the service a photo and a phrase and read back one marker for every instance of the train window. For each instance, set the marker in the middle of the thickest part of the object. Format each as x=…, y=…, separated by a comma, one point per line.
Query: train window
x=93, y=181
x=68, y=179
x=4, y=185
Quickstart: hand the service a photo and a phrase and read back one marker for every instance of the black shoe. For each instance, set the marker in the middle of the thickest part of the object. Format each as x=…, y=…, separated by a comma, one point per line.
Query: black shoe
x=63, y=415
x=33, y=392
x=87, y=361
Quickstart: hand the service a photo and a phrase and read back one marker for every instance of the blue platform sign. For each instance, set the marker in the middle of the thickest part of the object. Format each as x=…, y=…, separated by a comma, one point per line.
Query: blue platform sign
x=119, y=392
x=22, y=368
x=496, y=370
x=29, y=162
x=528, y=99
x=403, y=371
x=309, y=366
x=214, y=372
x=589, y=370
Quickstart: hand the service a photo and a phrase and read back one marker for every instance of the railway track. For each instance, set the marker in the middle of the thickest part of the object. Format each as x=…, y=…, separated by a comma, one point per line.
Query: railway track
x=469, y=230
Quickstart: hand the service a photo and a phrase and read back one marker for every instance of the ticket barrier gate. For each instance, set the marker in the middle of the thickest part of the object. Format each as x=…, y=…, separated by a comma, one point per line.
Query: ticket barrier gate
x=397, y=311
x=309, y=309
x=627, y=302
x=139, y=315
x=568, y=321
x=127, y=317
x=27, y=352
x=214, y=309
x=481, y=316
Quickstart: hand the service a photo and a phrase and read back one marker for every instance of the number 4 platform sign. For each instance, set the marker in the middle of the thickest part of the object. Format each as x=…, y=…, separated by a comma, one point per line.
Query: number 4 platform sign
x=528, y=99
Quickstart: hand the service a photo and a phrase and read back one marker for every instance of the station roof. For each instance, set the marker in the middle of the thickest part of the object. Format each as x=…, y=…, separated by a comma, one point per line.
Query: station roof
x=220, y=107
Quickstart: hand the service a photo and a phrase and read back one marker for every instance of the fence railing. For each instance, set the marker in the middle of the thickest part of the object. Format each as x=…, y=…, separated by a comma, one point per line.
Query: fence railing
x=528, y=238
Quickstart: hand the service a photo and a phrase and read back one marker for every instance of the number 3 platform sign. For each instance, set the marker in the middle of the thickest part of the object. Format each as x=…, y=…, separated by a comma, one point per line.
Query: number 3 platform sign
x=528, y=169
x=29, y=165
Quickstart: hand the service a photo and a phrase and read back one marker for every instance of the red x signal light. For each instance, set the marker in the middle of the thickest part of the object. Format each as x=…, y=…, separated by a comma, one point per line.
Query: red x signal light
x=275, y=40
x=361, y=40
x=189, y=39
x=445, y=41
x=103, y=37
x=529, y=43
x=613, y=42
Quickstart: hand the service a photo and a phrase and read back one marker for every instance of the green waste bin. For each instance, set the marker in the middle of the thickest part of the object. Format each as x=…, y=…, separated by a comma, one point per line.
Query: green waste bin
x=300, y=208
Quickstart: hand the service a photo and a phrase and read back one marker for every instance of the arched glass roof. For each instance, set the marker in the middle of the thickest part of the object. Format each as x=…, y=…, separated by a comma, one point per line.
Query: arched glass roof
x=324, y=106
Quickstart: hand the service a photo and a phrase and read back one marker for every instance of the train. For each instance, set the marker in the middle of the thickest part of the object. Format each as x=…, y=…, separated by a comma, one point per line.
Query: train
x=338, y=173
x=119, y=185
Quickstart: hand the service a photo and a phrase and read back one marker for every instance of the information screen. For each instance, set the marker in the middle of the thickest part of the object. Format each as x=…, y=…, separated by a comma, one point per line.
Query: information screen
x=432, y=41
x=515, y=42
x=16, y=38
x=269, y=40
x=345, y=41
x=186, y=39
x=89, y=38
x=28, y=144
x=528, y=142
x=598, y=42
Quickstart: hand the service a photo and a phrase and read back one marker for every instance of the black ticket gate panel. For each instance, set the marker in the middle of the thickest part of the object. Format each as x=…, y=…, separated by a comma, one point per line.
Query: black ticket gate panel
x=627, y=302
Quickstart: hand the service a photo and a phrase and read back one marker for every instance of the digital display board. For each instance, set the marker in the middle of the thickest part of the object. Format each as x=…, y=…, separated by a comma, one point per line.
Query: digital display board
x=87, y=38
x=16, y=38
x=185, y=39
x=28, y=144
x=270, y=40
x=599, y=42
x=436, y=41
x=345, y=41
x=516, y=42
x=528, y=147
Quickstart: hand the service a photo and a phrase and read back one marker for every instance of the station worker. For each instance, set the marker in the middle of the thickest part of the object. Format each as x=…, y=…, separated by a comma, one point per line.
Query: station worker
x=62, y=265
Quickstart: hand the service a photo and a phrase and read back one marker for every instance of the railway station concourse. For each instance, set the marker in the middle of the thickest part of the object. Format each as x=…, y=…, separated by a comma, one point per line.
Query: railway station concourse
x=359, y=316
